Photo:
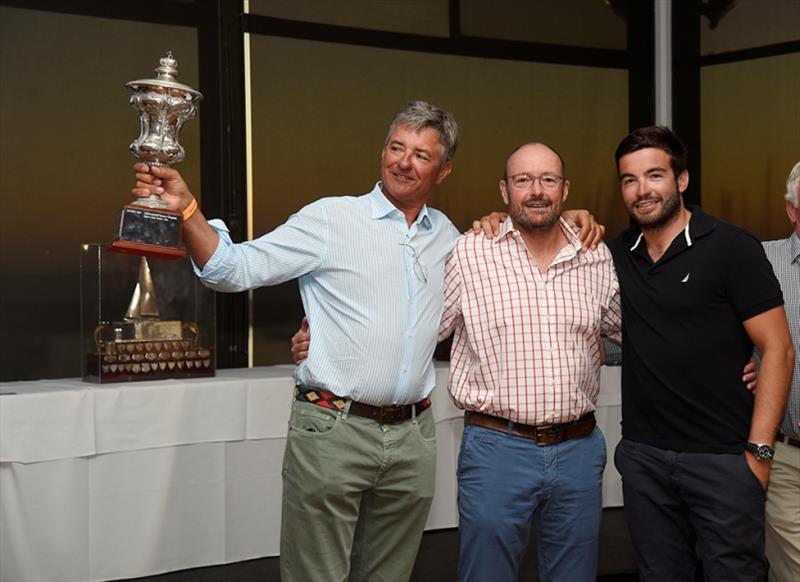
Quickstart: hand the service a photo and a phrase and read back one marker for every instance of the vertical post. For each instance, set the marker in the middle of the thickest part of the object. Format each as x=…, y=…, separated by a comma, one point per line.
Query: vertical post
x=223, y=164
x=455, y=18
x=641, y=55
x=663, y=62
x=686, y=86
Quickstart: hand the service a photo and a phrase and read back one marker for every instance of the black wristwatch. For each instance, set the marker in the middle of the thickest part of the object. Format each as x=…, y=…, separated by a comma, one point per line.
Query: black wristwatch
x=760, y=451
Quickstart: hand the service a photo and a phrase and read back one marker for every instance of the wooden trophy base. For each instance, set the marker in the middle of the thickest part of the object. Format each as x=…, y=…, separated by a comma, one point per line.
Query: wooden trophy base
x=149, y=232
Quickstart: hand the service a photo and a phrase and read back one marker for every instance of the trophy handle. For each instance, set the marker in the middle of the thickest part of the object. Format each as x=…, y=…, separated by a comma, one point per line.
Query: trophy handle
x=190, y=328
x=98, y=335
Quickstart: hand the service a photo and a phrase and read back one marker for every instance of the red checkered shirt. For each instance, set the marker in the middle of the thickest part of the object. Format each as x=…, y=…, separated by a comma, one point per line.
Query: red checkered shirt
x=527, y=343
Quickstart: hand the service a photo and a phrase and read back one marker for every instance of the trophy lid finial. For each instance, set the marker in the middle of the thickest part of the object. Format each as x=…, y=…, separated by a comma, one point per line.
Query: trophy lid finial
x=168, y=69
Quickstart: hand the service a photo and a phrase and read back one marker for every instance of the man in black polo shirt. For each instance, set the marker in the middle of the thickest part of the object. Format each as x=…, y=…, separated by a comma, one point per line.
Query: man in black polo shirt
x=697, y=293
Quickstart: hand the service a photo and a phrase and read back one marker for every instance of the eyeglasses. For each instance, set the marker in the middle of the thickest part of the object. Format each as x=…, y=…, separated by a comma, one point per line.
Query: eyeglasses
x=420, y=272
x=524, y=182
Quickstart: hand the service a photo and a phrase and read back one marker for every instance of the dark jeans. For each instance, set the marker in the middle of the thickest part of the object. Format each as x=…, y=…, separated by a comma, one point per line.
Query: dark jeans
x=676, y=503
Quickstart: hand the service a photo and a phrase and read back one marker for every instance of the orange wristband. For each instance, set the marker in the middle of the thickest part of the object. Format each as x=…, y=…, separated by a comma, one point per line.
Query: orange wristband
x=190, y=210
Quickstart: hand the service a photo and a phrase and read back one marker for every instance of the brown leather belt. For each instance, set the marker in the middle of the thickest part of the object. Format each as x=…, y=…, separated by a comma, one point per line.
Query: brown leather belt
x=389, y=414
x=545, y=434
x=381, y=414
x=788, y=440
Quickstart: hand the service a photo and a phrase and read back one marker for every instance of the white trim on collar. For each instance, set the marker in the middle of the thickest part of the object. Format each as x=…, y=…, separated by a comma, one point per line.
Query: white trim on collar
x=638, y=240
x=685, y=235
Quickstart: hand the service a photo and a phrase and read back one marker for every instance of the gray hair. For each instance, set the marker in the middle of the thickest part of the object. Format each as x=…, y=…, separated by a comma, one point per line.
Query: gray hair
x=419, y=115
x=792, y=186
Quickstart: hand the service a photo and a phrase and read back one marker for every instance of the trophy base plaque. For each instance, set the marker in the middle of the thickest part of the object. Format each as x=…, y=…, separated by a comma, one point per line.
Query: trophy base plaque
x=135, y=359
x=148, y=232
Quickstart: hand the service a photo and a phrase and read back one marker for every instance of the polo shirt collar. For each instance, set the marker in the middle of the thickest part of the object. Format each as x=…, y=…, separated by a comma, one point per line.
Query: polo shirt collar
x=700, y=224
x=382, y=208
x=686, y=236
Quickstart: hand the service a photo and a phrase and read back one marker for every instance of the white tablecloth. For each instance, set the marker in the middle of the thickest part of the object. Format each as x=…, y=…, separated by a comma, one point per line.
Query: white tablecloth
x=127, y=480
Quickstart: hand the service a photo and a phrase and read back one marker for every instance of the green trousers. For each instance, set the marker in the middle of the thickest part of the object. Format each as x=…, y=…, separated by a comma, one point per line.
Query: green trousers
x=356, y=495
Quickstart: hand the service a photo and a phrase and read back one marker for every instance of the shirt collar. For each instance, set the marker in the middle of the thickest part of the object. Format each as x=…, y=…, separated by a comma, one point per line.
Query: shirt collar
x=382, y=207
x=507, y=228
x=793, y=244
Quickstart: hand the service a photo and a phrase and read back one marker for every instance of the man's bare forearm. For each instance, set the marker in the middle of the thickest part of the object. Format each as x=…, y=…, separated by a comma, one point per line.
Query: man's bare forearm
x=769, y=331
x=774, y=380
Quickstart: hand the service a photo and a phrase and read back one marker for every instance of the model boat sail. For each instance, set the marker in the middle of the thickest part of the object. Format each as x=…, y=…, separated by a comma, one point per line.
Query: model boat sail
x=143, y=302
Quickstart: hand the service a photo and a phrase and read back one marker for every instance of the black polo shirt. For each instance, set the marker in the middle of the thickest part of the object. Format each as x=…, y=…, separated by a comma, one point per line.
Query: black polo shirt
x=684, y=345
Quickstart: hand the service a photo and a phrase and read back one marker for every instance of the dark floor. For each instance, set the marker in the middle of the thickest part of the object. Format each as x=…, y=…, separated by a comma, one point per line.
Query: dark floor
x=437, y=560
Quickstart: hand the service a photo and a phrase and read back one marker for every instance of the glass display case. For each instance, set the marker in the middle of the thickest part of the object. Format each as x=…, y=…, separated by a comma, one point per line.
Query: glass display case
x=143, y=318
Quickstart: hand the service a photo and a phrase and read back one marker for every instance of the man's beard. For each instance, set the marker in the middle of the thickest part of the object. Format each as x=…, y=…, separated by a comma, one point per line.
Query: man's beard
x=537, y=222
x=670, y=207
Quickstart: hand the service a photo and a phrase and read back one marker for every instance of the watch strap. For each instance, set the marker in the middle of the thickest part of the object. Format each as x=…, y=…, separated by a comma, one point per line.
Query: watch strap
x=761, y=451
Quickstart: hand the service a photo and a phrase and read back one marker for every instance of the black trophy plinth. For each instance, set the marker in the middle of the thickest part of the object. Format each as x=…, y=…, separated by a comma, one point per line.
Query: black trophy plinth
x=148, y=232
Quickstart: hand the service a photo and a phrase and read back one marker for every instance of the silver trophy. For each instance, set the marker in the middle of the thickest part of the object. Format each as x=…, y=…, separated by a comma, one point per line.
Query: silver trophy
x=147, y=227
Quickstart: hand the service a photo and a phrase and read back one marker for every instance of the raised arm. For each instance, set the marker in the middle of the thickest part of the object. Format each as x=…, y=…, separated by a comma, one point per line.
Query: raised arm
x=200, y=239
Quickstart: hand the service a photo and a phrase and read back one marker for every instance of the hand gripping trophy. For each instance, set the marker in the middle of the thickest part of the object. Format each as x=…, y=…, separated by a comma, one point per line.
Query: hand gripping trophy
x=147, y=227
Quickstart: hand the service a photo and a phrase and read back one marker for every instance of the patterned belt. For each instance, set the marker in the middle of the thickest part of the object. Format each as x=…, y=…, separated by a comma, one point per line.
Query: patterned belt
x=381, y=414
x=788, y=440
x=545, y=434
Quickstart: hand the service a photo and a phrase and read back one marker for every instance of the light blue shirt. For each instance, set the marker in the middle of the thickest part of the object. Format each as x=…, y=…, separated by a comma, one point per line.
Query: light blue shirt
x=371, y=287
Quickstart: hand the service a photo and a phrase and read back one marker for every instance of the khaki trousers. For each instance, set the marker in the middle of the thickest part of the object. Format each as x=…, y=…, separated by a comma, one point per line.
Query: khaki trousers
x=356, y=495
x=783, y=515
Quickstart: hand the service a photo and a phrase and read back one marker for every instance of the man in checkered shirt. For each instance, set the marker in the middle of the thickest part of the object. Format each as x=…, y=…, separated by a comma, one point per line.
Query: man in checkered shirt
x=783, y=496
x=528, y=308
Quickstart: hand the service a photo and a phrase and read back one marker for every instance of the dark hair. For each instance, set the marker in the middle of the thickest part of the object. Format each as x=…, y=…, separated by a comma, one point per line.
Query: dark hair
x=659, y=137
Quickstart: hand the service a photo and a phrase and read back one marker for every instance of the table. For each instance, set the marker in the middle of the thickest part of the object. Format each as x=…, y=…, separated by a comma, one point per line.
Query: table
x=99, y=482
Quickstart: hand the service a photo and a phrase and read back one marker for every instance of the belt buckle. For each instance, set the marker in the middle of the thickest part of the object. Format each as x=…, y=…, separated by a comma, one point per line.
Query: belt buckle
x=548, y=435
